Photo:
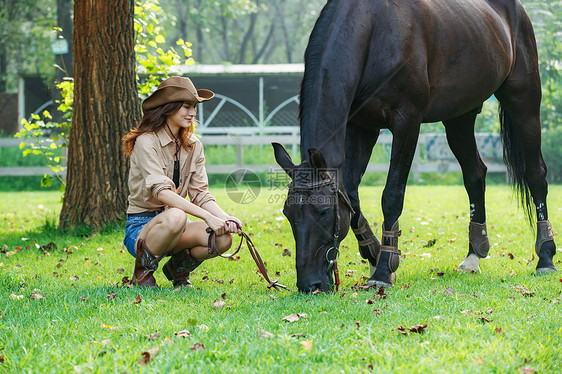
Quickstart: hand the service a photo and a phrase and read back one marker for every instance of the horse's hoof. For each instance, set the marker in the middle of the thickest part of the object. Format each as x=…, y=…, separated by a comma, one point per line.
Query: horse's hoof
x=544, y=271
x=470, y=264
x=377, y=283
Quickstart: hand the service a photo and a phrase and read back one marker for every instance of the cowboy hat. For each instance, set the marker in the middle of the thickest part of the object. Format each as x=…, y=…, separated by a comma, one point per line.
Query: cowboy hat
x=176, y=89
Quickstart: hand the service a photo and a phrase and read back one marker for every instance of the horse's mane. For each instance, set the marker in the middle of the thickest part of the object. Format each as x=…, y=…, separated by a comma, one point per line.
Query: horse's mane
x=313, y=53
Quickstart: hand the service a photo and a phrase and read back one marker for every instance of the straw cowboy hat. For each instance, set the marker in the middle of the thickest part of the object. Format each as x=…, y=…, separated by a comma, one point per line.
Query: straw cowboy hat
x=176, y=89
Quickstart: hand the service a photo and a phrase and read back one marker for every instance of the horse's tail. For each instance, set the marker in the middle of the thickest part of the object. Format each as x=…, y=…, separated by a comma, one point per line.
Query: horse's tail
x=515, y=162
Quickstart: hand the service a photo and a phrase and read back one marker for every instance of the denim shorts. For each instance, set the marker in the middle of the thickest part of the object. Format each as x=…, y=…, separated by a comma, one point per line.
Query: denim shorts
x=135, y=223
x=132, y=230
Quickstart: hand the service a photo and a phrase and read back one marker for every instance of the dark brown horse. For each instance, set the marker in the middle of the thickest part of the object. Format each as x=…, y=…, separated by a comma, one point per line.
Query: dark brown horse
x=394, y=64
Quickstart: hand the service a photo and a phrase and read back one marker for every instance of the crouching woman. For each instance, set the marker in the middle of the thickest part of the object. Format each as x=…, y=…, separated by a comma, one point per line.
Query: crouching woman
x=167, y=165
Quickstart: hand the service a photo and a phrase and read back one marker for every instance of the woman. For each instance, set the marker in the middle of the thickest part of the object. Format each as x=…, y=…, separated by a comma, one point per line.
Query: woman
x=167, y=164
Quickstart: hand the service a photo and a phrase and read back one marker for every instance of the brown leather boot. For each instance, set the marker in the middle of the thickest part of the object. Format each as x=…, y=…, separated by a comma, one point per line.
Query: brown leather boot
x=145, y=266
x=179, y=266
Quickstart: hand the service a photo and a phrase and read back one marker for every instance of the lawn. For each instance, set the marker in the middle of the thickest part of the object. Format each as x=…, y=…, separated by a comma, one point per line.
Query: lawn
x=63, y=307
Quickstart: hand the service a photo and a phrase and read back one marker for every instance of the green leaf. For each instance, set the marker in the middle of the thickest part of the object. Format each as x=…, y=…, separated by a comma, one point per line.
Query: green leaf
x=46, y=181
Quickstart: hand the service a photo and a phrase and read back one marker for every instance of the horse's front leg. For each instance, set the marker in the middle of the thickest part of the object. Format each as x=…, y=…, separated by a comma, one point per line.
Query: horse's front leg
x=460, y=136
x=358, y=149
x=405, y=137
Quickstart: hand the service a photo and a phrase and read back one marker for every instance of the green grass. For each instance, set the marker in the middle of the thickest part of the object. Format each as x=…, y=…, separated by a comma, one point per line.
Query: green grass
x=64, y=332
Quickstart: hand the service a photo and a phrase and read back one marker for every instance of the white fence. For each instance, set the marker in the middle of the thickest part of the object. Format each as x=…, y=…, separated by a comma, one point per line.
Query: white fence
x=432, y=154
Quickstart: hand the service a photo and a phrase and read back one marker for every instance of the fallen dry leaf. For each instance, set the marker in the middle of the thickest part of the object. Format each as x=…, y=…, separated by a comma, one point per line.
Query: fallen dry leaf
x=511, y=256
x=153, y=336
x=298, y=335
x=137, y=300
x=36, y=296
x=183, y=333
x=286, y=252
x=84, y=298
x=512, y=273
x=377, y=311
x=74, y=278
x=264, y=334
x=499, y=330
x=108, y=327
x=449, y=291
x=198, y=347
x=148, y=355
x=219, y=304
x=294, y=317
x=418, y=328
x=306, y=344
x=13, y=296
x=111, y=295
x=485, y=319
x=203, y=327
x=525, y=370
x=524, y=291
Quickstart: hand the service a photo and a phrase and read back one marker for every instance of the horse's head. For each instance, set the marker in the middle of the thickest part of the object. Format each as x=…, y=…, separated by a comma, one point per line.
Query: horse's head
x=319, y=212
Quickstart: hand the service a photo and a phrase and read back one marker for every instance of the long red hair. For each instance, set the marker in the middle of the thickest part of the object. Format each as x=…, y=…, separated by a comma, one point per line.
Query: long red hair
x=152, y=121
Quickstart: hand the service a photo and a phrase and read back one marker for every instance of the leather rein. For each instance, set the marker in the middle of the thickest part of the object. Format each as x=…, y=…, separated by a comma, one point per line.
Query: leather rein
x=212, y=249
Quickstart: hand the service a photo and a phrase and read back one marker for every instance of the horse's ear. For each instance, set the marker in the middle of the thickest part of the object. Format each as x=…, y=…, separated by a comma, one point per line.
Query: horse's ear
x=283, y=159
x=317, y=159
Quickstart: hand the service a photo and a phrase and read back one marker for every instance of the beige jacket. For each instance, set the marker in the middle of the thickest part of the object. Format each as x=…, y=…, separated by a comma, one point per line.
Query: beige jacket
x=152, y=169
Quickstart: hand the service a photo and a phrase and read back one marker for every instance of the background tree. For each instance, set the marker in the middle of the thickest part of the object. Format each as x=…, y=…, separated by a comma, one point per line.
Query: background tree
x=245, y=31
x=25, y=34
x=105, y=108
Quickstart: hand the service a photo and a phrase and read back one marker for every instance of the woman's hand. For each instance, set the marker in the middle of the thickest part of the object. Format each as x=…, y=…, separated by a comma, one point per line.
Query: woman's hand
x=234, y=228
x=218, y=225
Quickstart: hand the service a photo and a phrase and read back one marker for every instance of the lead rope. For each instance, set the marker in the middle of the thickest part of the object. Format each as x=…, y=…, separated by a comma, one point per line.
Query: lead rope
x=212, y=249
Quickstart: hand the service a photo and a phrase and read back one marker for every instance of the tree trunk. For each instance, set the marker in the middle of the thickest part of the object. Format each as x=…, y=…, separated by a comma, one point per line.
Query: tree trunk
x=199, y=33
x=181, y=18
x=248, y=35
x=225, y=47
x=105, y=108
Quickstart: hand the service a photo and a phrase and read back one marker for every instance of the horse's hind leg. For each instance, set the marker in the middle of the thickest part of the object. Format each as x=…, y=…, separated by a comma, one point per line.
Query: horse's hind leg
x=460, y=135
x=520, y=97
x=358, y=149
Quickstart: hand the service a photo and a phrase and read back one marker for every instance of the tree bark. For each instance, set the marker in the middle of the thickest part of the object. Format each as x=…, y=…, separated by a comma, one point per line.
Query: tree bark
x=105, y=108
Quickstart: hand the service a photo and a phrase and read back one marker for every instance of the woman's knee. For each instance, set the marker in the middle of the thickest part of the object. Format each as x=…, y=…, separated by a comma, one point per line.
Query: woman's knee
x=174, y=219
x=223, y=242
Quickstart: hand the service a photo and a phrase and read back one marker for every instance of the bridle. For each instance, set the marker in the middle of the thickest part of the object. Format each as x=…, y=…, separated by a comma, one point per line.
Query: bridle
x=338, y=193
